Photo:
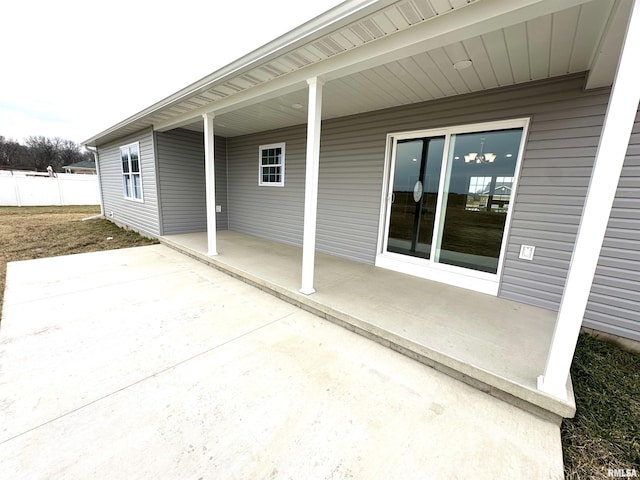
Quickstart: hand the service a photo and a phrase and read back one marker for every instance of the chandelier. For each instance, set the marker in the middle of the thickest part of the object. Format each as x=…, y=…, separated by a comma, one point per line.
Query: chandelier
x=475, y=157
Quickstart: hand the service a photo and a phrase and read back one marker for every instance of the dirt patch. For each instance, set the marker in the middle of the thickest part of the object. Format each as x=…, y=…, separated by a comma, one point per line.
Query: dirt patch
x=37, y=232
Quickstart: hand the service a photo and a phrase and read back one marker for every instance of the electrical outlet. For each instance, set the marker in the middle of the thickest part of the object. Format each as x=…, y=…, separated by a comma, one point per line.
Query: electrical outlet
x=527, y=252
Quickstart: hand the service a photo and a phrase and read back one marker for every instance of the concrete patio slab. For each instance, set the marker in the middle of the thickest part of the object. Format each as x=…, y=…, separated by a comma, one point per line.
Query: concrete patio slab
x=144, y=363
x=497, y=345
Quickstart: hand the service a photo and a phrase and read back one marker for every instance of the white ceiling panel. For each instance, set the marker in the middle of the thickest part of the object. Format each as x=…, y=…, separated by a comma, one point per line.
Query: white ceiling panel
x=539, y=38
x=253, y=78
x=415, y=78
x=338, y=98
x=391, y=81
x=426, y=8
x=563, y=35
x=441, y=6
x=410, y=12
x=385, y=23
x=397, y=18
x=517, y=42
x=481, y=63
x=430, y=67
x=591, y=24
x=446, y=73
x=456, y=52
x=471, y=79
x=495, y=44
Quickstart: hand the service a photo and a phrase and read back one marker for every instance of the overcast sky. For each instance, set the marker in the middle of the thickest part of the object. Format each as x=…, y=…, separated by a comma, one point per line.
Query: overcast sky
x=74, y=68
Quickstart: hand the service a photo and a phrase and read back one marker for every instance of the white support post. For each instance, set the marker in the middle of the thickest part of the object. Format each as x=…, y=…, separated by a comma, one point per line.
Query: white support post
x=210, y=181
x=614, y=141
x=311, y=185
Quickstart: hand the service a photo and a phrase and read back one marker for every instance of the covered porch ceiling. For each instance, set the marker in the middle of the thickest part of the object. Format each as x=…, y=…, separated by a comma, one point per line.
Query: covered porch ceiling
x=399, y=53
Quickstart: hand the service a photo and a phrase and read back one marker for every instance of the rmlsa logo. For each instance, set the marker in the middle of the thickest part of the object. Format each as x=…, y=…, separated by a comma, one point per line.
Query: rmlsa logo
x=622, y=473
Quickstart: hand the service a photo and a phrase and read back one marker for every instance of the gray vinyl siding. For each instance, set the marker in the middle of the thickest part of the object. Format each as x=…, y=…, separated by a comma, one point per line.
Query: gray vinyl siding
x=554, y=179
x=270, y=212
x=614, y=303
x=564, y=131
x=350, y=188
x=182, y=181
x=348, y=192
x=140, y=216
x=222, y=196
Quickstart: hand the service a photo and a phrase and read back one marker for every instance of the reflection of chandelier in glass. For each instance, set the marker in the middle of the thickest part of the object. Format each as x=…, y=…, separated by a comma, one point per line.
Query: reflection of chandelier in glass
x=481, y=157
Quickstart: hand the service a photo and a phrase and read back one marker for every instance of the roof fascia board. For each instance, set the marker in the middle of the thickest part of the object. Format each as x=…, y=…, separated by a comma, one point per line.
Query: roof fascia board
x=476, y=19
x=605, y=62
x=342, y=14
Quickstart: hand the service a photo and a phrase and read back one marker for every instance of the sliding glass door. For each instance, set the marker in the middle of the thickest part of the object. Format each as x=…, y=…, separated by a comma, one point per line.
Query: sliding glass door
x=450, y=194
x=415, y=191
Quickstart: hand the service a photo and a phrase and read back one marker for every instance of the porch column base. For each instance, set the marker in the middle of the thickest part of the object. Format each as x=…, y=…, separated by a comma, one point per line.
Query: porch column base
x=557, y=391
x=307, y=290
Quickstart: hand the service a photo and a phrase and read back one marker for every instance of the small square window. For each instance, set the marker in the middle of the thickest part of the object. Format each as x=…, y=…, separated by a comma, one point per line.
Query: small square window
x=271, y=165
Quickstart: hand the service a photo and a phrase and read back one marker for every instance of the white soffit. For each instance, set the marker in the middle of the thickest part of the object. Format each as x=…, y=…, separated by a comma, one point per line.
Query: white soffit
x=552, y=45
x=387, y=21
x=530, y=40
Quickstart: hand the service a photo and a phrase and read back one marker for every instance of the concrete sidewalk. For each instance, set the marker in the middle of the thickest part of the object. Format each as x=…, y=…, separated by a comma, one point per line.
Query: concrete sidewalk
x=144, y=363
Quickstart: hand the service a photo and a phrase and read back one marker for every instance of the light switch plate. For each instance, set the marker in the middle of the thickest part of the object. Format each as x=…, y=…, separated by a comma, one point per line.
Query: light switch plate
x=527, y=252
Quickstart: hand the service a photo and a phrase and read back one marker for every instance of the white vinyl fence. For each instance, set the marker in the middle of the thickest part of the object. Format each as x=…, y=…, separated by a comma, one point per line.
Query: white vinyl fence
x=22, y=189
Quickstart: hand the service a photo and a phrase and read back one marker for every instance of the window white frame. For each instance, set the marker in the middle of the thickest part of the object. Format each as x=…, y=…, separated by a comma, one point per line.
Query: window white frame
x=131, y=188
x=429, y=268
x=263, y=167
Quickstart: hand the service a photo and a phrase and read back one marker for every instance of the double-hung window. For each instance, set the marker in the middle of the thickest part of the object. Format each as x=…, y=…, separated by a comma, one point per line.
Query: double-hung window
x=271, y=165
x=131, y=176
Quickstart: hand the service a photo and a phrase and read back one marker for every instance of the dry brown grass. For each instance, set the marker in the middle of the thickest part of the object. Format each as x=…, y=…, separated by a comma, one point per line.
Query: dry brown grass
x=605, y=433
x=36, y=232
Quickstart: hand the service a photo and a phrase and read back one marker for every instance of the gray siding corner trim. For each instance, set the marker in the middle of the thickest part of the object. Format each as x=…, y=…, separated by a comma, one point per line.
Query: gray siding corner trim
x=158, y=186
x=140, y=216
x=182, y=181
x=614, y=302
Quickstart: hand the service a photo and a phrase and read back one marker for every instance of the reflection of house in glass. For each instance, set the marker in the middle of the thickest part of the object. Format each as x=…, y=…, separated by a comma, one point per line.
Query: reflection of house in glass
x=489, y=193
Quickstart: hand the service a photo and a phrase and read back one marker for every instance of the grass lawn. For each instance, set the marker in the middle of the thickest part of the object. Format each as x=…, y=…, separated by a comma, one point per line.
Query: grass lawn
x=605, y=434
x=36, y=232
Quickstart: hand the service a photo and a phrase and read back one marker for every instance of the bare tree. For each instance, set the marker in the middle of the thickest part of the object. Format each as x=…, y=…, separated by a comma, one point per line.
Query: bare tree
x=70, y=152
x=45, y=151
x=40, y=152
x=12, y=154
